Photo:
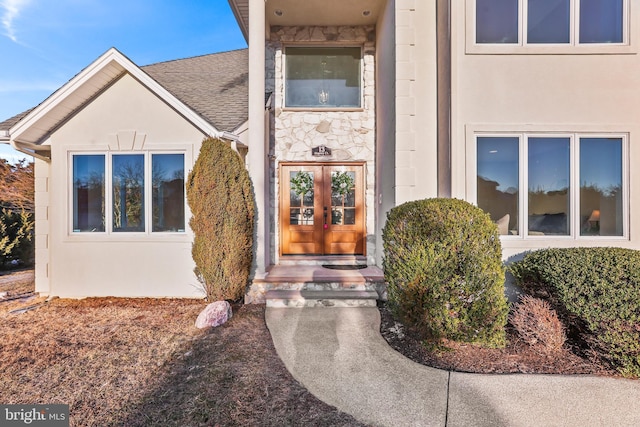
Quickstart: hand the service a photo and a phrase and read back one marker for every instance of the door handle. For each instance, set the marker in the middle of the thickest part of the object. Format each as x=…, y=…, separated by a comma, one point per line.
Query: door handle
x=325, y=219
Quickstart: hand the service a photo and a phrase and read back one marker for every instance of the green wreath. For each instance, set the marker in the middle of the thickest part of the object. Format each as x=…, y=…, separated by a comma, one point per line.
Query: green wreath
x=302, y=183
x=342, y=183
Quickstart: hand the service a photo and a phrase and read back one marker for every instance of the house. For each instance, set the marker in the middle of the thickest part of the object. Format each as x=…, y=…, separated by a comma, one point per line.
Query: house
x=527, y=109
x=112, y=149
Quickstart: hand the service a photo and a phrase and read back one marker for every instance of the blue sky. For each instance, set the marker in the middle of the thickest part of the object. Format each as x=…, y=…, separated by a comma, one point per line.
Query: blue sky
x=44, y=43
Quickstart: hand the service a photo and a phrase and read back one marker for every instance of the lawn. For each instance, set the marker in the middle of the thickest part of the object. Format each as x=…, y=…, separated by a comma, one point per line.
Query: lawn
x=142, y=362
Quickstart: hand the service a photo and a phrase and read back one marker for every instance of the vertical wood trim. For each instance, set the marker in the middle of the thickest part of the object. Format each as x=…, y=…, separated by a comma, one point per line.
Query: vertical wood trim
x=443, y=28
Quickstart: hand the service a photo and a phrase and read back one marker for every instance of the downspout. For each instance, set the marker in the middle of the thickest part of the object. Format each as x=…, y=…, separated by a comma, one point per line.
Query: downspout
x=443, y=48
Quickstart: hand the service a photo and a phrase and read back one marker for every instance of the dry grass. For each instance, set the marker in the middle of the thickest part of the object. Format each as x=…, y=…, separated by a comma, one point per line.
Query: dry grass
x=142, y=362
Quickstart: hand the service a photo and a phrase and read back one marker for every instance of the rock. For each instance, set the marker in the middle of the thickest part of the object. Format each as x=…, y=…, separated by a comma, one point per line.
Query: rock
x=214, y=314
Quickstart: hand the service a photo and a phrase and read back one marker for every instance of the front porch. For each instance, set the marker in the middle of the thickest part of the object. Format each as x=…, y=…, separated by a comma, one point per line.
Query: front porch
x=315, y=284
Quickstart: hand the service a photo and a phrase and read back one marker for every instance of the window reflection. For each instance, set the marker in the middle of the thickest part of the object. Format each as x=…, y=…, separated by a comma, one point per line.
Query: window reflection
x=168, y=192
x=601, y=187
x=128, y=192
x=548, y=21
x=601, y=21
x=498, y=186
x=549, y=180
x=496, y=21
x=88, y=193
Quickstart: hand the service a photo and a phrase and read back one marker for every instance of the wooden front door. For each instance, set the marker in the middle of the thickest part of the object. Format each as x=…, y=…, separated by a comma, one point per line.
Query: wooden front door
x=322, y=209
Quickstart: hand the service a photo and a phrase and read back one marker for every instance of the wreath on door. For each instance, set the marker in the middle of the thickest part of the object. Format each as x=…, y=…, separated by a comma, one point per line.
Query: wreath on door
x=302, y=183
x=342, y=183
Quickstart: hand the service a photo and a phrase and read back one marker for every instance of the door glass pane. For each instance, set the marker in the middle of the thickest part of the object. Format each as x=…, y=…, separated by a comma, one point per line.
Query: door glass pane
x=128, y=192
x=88, y=193
x=349, y=216
x=601, y=187
x=548, y=21
x=498, y=181
x=601, y=21
x=301, y=198
x=168, y=192
x=322, y=77
x=549, y=180
x=343, y=196
x=496, y=21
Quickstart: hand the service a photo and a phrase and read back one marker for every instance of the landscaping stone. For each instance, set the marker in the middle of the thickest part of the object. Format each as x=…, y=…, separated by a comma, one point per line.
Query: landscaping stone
x=214, y=314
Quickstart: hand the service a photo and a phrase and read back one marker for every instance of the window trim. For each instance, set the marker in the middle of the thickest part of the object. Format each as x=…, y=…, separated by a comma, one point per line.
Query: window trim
x=574, y=176
x=320, y=46
x=574, y=47
x=109, y=232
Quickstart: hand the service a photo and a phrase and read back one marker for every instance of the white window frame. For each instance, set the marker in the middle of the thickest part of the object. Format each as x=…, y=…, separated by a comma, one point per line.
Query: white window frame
x=108, y=198
x=320, y=46
x=574, y=184
x=573, y=47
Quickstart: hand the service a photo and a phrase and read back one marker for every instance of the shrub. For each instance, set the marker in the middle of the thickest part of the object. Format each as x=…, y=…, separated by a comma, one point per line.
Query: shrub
x=442, y=263
x=16, y=238
x=537, y=324
x=221, y=199
x=597, y=290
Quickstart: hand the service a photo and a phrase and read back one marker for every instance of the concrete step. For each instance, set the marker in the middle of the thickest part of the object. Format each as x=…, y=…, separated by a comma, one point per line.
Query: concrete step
x=286, y=298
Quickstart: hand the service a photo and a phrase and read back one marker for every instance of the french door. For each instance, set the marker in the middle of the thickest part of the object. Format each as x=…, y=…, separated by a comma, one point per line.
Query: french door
x=322, y=209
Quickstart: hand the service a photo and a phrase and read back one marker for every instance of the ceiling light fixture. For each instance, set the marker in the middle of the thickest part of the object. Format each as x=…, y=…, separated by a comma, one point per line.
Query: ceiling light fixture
x=366, y=12
x=278, y=12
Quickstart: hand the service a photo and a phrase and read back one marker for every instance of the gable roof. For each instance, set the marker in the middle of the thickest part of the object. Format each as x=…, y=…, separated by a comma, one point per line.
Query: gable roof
x=210, y=91
x=215, y=86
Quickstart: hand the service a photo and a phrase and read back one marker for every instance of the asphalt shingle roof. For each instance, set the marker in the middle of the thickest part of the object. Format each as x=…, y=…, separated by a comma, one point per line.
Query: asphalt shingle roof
x=215, y=86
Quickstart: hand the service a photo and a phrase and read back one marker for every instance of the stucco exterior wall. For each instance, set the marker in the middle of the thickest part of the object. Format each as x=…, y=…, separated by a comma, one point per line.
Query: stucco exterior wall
x=125, y=118
x=545, y=89
x=350, y=134
x=416, y=101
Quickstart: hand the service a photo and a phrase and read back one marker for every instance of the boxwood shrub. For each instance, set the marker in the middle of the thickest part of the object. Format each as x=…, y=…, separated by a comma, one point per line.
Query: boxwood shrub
x=599, y=288
x=443, y=266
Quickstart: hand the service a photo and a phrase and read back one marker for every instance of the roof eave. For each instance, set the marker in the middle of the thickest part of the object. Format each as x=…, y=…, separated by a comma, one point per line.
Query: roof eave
x=244, y=26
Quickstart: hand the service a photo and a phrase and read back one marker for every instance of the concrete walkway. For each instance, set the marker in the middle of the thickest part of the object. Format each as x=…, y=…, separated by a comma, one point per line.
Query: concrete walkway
x=339, y=355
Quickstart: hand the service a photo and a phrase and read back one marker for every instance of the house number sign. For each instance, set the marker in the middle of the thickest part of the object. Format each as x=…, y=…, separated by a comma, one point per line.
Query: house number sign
x=321, y=151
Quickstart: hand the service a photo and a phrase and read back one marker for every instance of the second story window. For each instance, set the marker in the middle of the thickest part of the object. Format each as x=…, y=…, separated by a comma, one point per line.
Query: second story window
x=562, y=22
x=323, y=77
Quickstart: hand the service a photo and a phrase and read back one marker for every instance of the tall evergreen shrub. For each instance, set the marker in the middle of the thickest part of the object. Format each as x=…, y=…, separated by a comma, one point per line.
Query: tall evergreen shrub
x=16, y=238
x=443, y=266
x=221, y=199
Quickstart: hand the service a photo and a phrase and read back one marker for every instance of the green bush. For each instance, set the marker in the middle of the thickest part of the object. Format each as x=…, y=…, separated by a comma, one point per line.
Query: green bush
x=443, y=266
x=16, y=238
x=597, y=289
x=221, y=199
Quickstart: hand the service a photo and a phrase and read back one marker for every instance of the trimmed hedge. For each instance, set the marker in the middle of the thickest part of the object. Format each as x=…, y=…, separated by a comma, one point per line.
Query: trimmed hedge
x=443, y=266
x=600, y=287
x=221, y=199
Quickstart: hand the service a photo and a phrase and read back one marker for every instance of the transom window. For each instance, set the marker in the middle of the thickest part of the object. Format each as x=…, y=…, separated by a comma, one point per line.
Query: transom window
x=112, y=193
x=553, y=185
x=550, y=22
x=323, y=77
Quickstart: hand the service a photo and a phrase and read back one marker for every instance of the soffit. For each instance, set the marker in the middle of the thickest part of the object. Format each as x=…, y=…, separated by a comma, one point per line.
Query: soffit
x=311, y=12
x=323, y=12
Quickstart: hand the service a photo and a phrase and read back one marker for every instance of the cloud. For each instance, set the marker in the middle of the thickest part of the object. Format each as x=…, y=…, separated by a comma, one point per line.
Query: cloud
x=10, y=11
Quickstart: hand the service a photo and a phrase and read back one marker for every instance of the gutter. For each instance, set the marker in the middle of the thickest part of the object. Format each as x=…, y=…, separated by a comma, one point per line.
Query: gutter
x=30, y=150
x=234, y=139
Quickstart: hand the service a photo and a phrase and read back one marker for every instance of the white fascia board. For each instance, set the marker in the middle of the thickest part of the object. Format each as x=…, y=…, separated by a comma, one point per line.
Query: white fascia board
x=110, y=57
x=4, y=136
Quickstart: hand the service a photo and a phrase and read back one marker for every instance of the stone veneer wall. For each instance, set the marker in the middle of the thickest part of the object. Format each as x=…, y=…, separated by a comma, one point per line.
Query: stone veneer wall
x=349, y=133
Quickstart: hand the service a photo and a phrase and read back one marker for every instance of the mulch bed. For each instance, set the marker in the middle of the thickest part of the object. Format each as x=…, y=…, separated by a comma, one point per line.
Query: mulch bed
x=516, y=357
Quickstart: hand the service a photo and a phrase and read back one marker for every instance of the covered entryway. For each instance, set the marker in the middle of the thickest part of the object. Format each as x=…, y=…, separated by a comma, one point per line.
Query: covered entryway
x=322, y=209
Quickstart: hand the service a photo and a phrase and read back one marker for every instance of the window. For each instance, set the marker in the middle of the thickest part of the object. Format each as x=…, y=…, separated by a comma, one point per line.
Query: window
x=323, y=77
x=563, y=22
x=126, y=193
x=574, y=184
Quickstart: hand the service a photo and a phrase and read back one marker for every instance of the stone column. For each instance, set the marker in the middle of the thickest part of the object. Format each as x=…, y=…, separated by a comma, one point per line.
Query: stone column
x=257, y=157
